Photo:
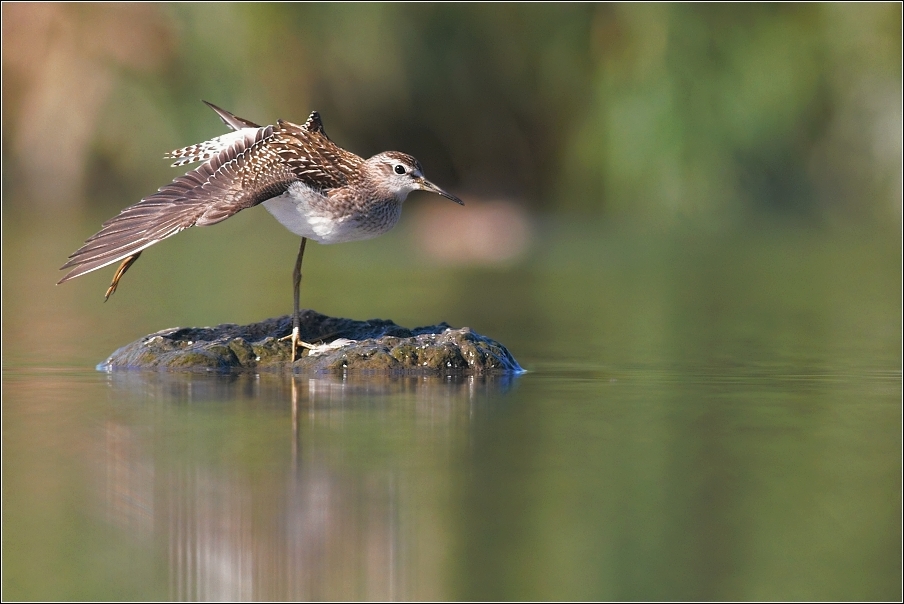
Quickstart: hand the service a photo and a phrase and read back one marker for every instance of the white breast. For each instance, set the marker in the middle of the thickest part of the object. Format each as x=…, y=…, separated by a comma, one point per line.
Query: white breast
x=301, y=210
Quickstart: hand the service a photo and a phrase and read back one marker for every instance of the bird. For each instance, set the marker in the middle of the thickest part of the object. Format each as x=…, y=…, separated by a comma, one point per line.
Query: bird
x=313, y=187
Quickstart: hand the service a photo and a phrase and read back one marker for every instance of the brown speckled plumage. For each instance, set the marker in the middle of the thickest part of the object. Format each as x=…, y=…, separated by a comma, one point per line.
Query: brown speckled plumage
x=313, y=187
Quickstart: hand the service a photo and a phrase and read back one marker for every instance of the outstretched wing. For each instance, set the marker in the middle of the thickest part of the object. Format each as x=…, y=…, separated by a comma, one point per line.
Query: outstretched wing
x=210, y=148
x=239, y=177
x=240, y=170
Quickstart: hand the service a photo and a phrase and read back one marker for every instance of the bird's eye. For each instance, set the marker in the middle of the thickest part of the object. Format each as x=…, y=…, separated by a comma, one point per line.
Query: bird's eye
x=399, y=169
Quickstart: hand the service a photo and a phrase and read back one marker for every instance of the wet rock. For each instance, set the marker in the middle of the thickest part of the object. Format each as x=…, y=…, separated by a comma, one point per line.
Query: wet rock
x=342, y=345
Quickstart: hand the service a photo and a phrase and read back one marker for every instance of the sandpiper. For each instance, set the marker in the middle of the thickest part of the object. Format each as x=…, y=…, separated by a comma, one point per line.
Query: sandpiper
x=313, y=187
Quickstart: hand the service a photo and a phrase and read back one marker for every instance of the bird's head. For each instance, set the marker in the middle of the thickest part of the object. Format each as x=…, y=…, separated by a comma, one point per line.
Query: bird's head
x=401, y=174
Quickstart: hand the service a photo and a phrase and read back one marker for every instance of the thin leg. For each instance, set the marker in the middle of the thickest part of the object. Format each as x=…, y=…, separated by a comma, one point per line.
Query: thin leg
x=296, y=280
x=296, y=321
x=128, y=262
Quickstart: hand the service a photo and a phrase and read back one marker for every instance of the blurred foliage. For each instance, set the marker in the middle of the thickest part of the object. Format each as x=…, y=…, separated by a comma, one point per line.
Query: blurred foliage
x=658, y=113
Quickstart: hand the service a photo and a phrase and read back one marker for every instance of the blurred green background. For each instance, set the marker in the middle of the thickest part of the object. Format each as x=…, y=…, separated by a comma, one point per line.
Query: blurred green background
x=684, y=220
x=645, y=126
x=659, y=113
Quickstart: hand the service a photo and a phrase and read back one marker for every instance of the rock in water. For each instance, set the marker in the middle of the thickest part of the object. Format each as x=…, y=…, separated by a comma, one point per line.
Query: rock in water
x=374, y=346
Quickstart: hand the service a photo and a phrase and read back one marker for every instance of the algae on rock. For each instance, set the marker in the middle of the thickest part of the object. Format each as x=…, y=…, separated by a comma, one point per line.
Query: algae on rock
x=374, y=346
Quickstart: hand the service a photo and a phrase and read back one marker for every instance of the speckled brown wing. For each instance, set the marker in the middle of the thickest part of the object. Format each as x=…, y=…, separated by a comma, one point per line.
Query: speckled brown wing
x=208, y=149
x=241, y=176
x=314, y=159
x=249, y=172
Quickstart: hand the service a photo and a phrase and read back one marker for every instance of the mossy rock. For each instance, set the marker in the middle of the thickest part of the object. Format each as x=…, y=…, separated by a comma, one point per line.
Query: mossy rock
x=342, y=345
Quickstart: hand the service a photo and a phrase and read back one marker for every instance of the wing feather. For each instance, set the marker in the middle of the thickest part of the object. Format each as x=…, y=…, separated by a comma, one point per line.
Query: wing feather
x=240, y=170
x=239, y=177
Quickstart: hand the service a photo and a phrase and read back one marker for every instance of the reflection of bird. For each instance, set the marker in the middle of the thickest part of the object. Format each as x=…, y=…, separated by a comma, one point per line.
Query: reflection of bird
x=313, y=187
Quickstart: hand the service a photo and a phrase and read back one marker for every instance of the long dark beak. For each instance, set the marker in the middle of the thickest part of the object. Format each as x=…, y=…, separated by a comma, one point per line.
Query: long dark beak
x=426, y=185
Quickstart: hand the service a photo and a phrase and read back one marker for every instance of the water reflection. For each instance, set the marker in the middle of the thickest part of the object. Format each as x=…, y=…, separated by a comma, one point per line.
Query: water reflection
x=324, y=390
x=708, y=418
x=317, y=517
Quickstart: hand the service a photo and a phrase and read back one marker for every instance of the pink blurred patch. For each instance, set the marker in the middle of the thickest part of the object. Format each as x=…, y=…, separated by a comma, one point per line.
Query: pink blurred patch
x=480, y=233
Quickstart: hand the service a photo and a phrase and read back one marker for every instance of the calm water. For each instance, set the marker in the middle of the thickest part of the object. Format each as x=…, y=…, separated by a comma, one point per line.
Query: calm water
x=704, y=417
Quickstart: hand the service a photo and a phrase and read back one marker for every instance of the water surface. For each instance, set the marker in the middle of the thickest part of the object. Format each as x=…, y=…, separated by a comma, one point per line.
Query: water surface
x=704, y=417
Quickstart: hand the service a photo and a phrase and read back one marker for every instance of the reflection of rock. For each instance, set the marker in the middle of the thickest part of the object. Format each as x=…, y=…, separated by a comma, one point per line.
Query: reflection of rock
x=322, y=391
x=310, y=499
x=375, y=346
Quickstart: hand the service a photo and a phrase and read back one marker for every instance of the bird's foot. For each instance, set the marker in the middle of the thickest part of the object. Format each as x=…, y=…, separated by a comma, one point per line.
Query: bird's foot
x=296, y=342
